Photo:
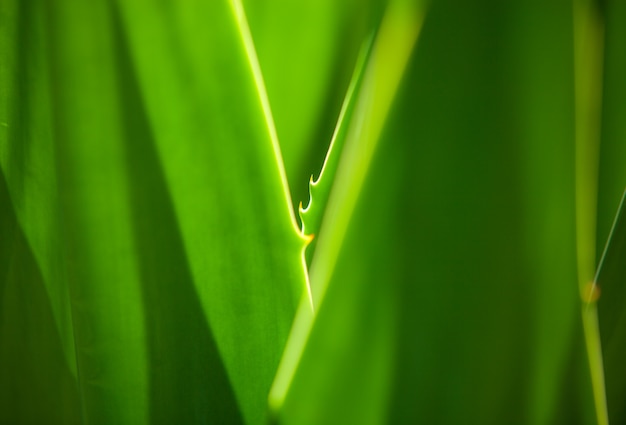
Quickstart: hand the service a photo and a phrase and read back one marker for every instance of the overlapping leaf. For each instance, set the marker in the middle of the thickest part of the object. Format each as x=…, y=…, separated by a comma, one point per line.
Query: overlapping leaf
x=150, y=263
x=307, y=51
x=453, y=298
x=143, y=188
x=334, y=196
x=320, y=187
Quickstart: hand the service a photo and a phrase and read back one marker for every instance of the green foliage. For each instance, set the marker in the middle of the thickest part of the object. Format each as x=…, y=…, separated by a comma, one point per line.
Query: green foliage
x=152, y=157
x=610, y=281
x=138, y=166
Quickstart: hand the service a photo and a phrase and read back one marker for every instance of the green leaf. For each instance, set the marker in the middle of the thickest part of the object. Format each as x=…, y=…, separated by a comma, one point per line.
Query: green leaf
x=311, y=216
x=381, y=76
x=37, y=382
x=169, y=227
x=307, y=51
x=38, y=374
x=611, y=285
x=454, y=295
x=588, y=58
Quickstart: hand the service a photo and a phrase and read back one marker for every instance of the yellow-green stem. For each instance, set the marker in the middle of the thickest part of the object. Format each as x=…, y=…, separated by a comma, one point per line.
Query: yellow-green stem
x=588, y=59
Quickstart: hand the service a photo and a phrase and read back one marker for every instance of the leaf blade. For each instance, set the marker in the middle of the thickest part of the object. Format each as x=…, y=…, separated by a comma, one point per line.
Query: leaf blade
x=610, y=279
x=463, y=240
x=180, y=250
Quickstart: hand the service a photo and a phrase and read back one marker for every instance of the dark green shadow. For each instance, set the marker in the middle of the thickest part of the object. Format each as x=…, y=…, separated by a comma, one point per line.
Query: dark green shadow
x=36, y=385
x=188, y=381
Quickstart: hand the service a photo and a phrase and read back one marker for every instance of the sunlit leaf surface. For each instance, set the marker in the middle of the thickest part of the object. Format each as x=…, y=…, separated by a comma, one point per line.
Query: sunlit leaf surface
x=150, y=261
x=350, y=124
x=307, y=50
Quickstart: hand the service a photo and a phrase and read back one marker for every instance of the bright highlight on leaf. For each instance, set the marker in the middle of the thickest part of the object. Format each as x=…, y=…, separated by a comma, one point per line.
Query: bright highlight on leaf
x=373, y=96
x=320, y=187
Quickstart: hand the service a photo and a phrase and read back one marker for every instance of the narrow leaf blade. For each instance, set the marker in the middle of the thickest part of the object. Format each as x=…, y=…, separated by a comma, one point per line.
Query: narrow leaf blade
x=611, y=287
